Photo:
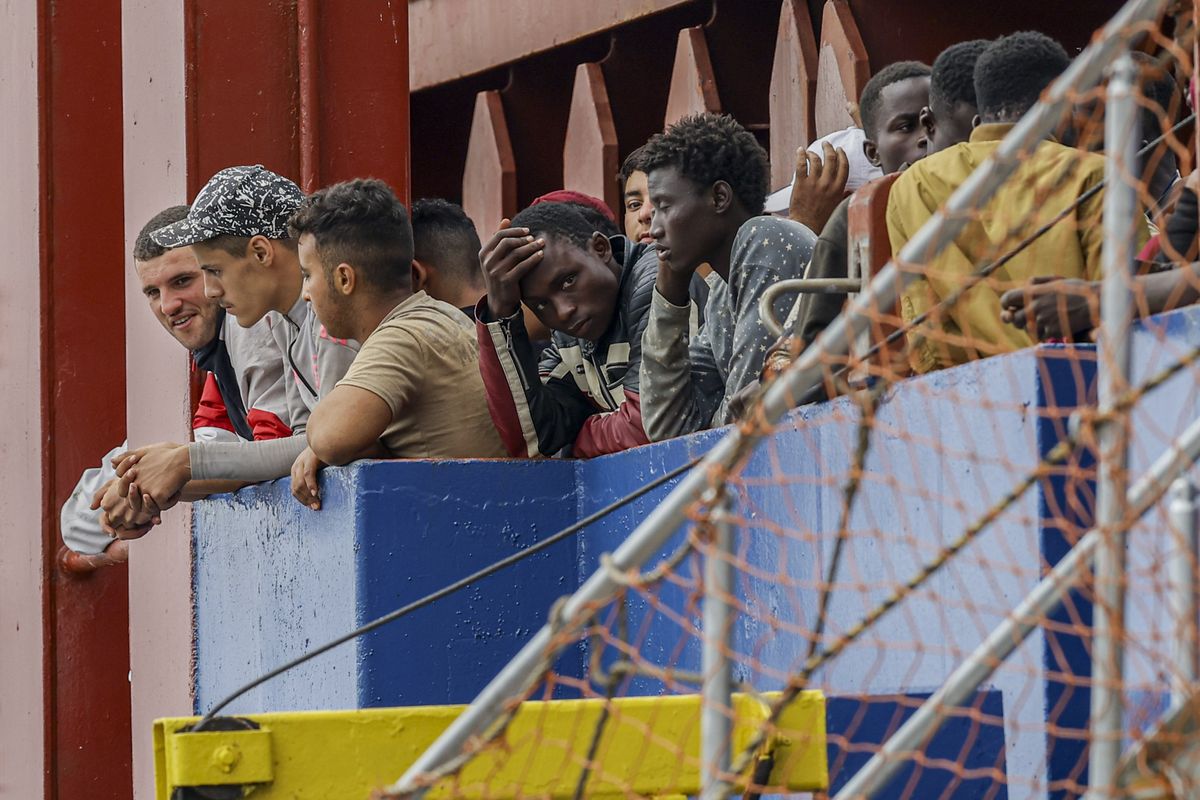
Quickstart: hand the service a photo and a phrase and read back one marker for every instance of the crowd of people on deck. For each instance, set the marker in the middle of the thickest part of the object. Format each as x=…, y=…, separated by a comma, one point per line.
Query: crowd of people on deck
x=342, y=325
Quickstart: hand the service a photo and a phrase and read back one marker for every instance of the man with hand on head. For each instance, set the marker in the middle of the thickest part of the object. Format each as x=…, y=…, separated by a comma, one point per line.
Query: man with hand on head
x=593, y=209
x=237, y=227
x=243, y=392
x=593, y=292
x=708, y=180
x=414, y=390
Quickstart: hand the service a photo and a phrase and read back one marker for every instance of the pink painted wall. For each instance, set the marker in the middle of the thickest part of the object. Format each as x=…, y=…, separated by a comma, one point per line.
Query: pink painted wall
x=22, y=762
x=160, y=619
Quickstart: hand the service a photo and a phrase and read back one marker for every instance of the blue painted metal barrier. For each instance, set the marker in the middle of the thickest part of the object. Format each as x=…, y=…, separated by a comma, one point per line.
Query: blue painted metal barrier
x=273, y=578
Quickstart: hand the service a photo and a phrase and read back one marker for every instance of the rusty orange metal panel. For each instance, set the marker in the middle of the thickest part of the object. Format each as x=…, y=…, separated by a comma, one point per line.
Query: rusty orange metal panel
x=490, y=179
x=871, y=248
x=87, y=719
x=843, y=68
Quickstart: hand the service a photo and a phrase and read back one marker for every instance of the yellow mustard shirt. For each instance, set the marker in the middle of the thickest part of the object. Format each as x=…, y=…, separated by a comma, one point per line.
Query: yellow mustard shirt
x=1047, y=182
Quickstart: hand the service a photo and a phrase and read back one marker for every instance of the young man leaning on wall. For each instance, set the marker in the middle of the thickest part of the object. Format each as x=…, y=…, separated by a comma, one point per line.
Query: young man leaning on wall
x=243, y=392
x=414, y=390
x=237, y=227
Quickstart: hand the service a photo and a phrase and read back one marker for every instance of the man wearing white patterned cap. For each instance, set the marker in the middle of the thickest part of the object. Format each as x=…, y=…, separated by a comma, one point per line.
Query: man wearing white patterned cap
x=238, y=229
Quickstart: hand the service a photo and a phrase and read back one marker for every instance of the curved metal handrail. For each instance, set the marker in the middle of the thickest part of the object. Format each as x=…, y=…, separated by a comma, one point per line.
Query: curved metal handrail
x=766, y=303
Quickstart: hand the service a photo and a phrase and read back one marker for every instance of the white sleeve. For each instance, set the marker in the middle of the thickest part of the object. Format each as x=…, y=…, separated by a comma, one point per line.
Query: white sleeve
x=79, y=524
x=214, y=434
x=240, y=460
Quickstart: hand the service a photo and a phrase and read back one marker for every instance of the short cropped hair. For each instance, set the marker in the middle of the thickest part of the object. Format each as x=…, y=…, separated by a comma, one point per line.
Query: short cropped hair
x=361, y=223
x=1013, y=71
x=443, y=235
x=562, y=221
x=144, y=247
x=872, y=93
x=594, y=210
x=953, y=78
x=707, y=148
x=597, y=220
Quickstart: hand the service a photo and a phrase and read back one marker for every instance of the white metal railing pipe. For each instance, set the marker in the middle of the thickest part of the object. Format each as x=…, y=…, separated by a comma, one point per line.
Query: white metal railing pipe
x=716, y=721
x=1181, y=589
x=1116, y=318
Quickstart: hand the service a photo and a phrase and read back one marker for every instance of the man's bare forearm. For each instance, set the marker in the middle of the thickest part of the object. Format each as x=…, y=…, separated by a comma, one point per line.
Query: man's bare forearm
x=1165, y=291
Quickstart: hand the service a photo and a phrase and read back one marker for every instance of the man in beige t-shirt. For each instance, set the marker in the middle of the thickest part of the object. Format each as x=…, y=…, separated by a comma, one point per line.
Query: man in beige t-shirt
x=423, y=362
x=414, y=390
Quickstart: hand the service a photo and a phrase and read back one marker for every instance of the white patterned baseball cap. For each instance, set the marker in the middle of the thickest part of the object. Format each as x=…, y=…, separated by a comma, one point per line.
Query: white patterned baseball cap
x=237, y=201
x=862, y=172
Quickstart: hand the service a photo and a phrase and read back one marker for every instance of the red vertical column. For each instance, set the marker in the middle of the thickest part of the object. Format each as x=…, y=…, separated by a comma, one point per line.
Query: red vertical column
x=328, y=100
x=82, y=246
x=354, y=65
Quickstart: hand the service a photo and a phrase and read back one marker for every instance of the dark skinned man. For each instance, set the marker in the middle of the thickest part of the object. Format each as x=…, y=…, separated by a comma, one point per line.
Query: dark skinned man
x=707, y=178
x=593, y=292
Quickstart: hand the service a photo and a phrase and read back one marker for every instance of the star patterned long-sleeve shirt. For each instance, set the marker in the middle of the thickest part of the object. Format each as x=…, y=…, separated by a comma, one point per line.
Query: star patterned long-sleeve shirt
x=687, y=386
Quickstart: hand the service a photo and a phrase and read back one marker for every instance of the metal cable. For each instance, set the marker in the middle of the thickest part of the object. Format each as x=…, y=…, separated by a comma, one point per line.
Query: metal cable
x=445, y=591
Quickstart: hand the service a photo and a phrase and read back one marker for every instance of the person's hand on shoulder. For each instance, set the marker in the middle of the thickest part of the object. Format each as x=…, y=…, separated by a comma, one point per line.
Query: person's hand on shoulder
x=506, y=258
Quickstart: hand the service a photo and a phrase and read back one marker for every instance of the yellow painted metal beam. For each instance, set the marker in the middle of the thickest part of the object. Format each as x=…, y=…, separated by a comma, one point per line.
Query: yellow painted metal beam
x=650, y=746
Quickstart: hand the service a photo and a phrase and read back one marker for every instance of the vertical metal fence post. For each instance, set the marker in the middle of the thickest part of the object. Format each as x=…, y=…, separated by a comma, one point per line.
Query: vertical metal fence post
x=1121, y=208
x=716, y=723
x=1181, y=591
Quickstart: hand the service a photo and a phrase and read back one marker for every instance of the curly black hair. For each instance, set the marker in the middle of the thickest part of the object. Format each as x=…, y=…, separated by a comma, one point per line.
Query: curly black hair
x=872, y=93
x=953, y=77
x=445, y=237
x=712, y=147
x=1013, y=71
x=361, y=223
x=598, y=221
x=145, y=248
x=1162, y=93
x=562, y=221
